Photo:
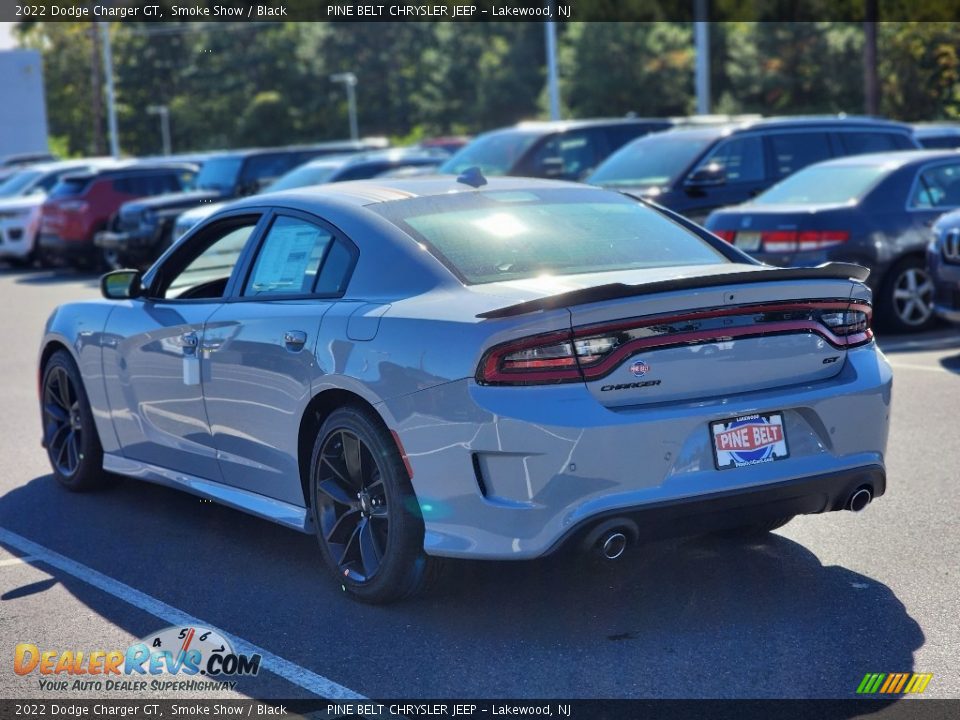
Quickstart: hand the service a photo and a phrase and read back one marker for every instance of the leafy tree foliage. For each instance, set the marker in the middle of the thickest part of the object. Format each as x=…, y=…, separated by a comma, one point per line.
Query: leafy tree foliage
x=242, y=84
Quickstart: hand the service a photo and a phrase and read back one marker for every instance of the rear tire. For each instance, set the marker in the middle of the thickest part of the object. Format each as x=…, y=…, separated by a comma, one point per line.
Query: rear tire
x=365, y=512
x=906, y=297
x=69, y=434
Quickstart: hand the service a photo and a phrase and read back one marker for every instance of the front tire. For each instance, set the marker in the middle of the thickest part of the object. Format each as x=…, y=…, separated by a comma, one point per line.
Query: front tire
x=365, y=512
x=69, y=433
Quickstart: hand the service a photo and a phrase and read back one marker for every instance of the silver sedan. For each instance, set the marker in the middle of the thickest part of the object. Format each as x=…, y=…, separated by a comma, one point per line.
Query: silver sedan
x=449, y=367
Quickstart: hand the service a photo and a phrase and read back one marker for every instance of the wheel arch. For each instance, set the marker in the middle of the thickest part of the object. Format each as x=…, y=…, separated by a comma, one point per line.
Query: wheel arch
x=314, y=415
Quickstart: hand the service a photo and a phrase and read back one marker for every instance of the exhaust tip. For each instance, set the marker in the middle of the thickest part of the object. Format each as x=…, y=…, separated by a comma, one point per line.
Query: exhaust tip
x=614, y=545
x=860, y=499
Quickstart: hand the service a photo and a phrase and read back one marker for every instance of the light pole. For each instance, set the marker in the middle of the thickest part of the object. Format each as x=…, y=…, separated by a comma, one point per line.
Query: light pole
x=111, y=101
x=164, y=112
x=701, y=34
x=553, y=90
x=350, y=80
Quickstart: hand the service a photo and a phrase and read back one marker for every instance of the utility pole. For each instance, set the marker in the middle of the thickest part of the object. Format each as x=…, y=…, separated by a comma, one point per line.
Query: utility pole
x=111, y=101
x=871, y=80
x=701, y=39
x=350, y=81
x=96, y=92
x=553, y=83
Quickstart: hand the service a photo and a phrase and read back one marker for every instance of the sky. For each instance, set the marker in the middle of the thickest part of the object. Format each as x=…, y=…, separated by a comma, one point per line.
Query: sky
x=6, y=36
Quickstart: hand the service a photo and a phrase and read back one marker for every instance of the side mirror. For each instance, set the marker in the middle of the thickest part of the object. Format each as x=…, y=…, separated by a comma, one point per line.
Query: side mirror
x=712, y=174
x=551, y=167
x=121, y=285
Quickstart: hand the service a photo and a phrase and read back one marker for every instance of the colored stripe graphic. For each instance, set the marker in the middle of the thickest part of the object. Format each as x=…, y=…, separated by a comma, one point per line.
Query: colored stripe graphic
x=918, y=683
x=894, y=683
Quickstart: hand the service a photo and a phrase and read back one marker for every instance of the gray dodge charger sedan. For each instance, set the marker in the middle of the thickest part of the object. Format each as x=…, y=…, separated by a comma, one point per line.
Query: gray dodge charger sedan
x=451, y=367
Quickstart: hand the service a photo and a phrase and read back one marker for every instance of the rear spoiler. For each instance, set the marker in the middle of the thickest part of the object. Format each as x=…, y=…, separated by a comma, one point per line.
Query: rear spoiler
x=612, y=291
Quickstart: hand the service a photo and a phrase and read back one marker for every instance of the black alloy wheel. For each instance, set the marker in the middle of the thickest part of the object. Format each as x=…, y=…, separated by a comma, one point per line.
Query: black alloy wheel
x=69, y=433
x=365, y=512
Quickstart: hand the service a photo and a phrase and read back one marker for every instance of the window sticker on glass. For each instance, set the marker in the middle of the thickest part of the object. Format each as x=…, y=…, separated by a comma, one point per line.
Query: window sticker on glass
x=289, y=259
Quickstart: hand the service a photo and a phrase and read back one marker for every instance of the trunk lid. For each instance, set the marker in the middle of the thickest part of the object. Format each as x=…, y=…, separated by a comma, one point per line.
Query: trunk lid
x=713, y=342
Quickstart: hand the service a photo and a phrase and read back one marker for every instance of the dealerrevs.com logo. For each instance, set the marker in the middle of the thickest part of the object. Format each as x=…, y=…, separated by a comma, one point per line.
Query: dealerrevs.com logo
x=176, y=658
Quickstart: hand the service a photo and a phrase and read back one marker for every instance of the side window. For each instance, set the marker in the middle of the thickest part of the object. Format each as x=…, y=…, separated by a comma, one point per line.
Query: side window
x=268, y=167
x=124, y=186
x=937, y=187
x=741, y=159
x=858, y=143
x=619, y=135
x=792, y=151
x=567, y=155
x=335, y=273
x=289, y=258
x=203, y=267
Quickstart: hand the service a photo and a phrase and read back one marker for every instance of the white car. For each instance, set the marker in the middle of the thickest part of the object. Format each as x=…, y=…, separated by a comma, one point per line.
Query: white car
x=21, y=196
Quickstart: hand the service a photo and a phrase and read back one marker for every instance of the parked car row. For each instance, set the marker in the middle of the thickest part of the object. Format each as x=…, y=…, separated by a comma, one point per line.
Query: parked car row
x=789, y=191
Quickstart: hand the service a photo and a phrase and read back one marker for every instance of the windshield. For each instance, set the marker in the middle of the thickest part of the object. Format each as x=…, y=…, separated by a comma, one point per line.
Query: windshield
x=657, y=159
x=303, y=176
x=219, y=174
x=824, y=185
x=19, y=183
x=493, y=236
x=495, y=153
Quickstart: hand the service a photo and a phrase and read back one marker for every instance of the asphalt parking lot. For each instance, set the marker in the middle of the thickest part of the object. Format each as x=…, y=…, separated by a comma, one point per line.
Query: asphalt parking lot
x=805, y=613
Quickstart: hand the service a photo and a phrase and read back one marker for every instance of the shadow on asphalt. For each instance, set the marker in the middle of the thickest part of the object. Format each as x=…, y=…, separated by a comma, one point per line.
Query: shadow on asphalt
x=54, y=277
x=941, y=338
x=697, y=617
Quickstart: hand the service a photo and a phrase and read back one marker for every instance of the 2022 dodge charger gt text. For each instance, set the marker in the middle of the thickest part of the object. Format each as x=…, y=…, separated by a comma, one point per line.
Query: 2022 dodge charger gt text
x=441, y=367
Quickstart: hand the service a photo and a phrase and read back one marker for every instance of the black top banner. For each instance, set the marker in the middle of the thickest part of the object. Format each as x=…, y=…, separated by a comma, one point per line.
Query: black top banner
x=479, y=10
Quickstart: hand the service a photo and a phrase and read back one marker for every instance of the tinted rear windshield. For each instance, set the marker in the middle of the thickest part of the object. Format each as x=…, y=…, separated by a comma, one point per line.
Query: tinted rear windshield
x=652, y=160
x=824, y=185
x=70, y=186
x=495, y=153
x=493, y=236
x=219, y=174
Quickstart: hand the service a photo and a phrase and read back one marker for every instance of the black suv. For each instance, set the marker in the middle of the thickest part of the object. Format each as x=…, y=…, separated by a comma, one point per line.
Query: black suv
x=143, y=229
x=563, y=150
x=694, y=171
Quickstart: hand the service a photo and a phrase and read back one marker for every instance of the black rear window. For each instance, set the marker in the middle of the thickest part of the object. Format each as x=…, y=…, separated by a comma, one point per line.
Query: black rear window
x=493, y=236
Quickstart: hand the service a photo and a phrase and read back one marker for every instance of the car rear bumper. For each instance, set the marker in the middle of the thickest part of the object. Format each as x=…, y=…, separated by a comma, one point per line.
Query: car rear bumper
x=513, y=472
x=733, y=508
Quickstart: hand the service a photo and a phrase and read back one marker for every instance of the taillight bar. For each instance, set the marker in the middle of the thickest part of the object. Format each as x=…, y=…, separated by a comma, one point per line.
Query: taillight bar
x=792, y=240
x=592, y=352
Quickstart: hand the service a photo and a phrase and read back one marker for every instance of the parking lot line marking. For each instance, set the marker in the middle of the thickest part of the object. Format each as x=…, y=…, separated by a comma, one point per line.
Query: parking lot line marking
x=289, y=671
x=16, y=561
x=928, y=368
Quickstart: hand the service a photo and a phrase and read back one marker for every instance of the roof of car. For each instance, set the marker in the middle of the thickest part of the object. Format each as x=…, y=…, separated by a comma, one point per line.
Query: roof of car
x=544, y=126
x=893, y=160
x=935, y=129
x=398, y=155
x=788, y=122
x=128, y=168
x=368, y=192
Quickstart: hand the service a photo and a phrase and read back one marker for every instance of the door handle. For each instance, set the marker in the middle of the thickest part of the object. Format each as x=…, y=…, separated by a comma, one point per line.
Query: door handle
x=294, y=339
x=189, y=340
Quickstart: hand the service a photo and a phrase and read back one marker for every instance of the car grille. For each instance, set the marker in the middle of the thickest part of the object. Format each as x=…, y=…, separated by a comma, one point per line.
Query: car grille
x=951, y=246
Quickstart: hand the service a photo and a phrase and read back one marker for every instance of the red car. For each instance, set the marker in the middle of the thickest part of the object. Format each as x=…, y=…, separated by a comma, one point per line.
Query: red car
x=81, y=205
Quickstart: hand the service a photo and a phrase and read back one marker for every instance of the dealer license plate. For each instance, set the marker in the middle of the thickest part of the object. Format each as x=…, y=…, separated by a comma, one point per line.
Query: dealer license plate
x=749, y=440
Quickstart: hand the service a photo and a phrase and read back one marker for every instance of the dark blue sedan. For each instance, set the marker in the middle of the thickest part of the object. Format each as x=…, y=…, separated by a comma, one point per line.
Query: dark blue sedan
x=873, y=210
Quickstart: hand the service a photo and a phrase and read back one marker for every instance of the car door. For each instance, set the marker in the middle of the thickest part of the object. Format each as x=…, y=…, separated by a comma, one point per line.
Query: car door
x=259, y=350
x=152, y=351
x=733, y=172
